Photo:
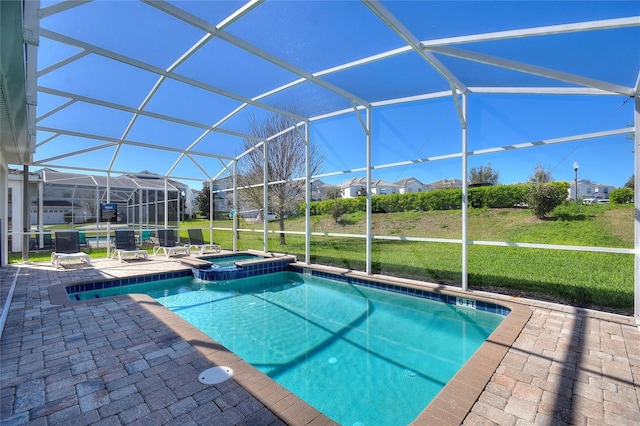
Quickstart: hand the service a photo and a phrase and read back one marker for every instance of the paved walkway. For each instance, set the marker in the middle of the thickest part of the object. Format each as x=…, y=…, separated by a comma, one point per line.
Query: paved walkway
x=568, y=366
x=115, y=361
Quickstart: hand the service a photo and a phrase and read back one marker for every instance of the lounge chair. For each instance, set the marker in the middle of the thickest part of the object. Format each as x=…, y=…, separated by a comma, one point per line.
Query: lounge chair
x=197, y=244
x=34, y=242
x=126, y=245
x=167, y=243
x=145, y=237
x=68, y=247
x=47, y=242
x=82, y=239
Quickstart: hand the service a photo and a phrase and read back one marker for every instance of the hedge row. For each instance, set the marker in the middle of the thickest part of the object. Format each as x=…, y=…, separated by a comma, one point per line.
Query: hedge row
x=499, y=196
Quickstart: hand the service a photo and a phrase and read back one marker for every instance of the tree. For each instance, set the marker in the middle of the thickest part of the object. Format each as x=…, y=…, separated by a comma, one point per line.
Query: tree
x=631, y=182
x=286, y=155
x=483, y=175
x=542, y=198
x=203, y=199
x=540, y=174
x=333, y=192
x=338, y=209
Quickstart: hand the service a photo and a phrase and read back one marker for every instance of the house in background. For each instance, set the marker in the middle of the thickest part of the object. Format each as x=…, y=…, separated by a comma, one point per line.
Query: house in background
x=589, y=190
x=357, y=187
x=187, y=196
x=444, y=184
x=408, y=185
x=222, y=189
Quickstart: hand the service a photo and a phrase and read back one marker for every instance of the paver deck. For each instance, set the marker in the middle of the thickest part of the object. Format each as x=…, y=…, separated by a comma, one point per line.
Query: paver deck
x=128, y=360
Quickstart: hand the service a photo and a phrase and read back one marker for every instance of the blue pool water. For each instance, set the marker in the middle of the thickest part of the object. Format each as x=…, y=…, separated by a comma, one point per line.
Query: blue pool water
x=360, y=355
x=98, y=241
x=230, y=260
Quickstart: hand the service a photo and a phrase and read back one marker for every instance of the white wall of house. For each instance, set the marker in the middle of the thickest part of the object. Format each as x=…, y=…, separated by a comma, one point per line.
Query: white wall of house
x=15, y=212
x=4, y=213
x=350, y=188
x=589, y=190
x=384, y=189
x=13, y=202
x=406, y=186
x=350, y=191
x=54, y=215
x=411, y=187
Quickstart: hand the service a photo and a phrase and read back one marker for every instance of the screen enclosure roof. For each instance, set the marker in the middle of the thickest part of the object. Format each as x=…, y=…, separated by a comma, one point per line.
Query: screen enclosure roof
x=170, y=86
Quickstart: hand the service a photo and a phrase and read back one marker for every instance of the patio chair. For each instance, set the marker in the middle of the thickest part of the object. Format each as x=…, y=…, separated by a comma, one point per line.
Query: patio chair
x=197, y=244
x=82, y=239
x=126, y=245
x=167, y=243
x=68, y=247
x=47, y=241
x=34, y=242
x=146, y=237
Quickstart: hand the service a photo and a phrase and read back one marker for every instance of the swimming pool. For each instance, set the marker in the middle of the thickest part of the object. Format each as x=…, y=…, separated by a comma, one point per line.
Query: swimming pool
x=360, y=355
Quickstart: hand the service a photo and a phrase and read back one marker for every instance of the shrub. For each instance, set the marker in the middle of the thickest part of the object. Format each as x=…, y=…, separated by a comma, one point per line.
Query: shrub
x=570, y=211
x=440, y=199
x=498, y=196
x=621, y=196
x=543, y=198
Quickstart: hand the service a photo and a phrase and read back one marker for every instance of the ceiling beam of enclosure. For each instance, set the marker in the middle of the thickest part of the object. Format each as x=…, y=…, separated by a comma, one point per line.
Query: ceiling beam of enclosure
x=413, y=42
x=248, y=47
x=190, y=52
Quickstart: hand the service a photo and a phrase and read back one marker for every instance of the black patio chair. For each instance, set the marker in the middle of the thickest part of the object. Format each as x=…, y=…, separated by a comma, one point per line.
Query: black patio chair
x=68, y=247
x=167, y=243
x=197, y=244
x=126, y=245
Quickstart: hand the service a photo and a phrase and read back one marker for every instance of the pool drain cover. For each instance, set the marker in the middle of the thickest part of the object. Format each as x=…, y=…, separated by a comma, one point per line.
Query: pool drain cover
x=215, y=375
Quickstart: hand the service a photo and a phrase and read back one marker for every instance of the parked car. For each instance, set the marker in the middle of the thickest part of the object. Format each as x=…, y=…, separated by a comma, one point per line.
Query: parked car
x=595, y=201
x=273, y=216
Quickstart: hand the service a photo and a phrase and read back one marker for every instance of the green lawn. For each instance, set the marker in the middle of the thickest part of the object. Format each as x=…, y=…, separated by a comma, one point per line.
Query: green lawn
x=600, y=280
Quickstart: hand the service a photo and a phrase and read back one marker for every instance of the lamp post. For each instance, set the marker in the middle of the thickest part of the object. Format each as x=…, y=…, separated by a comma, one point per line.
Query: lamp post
x=575, y=170
x=182, y=204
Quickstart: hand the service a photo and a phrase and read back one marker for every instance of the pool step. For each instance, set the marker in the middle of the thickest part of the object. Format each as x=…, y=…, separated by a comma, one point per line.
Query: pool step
x=194, y=261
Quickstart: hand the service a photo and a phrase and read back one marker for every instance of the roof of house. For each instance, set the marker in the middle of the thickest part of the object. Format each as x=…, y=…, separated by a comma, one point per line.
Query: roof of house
x=142, y=180
x=363, y=181
x=408, y=181
x=594, y=184
x=445, y=183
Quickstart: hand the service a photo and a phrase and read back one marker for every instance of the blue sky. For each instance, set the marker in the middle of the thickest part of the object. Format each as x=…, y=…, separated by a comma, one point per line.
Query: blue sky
x=420, y=131
x=313, y=36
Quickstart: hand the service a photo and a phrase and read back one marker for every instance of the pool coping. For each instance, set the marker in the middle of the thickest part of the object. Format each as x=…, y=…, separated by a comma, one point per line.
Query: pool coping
x=450, y=406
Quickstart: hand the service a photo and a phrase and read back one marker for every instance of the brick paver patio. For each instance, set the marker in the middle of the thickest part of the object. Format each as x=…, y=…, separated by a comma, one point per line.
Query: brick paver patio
x=568, y=366
x=116, y=361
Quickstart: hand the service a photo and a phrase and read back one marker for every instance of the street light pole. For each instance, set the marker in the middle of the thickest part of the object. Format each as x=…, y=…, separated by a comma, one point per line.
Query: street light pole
x=575, y=169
